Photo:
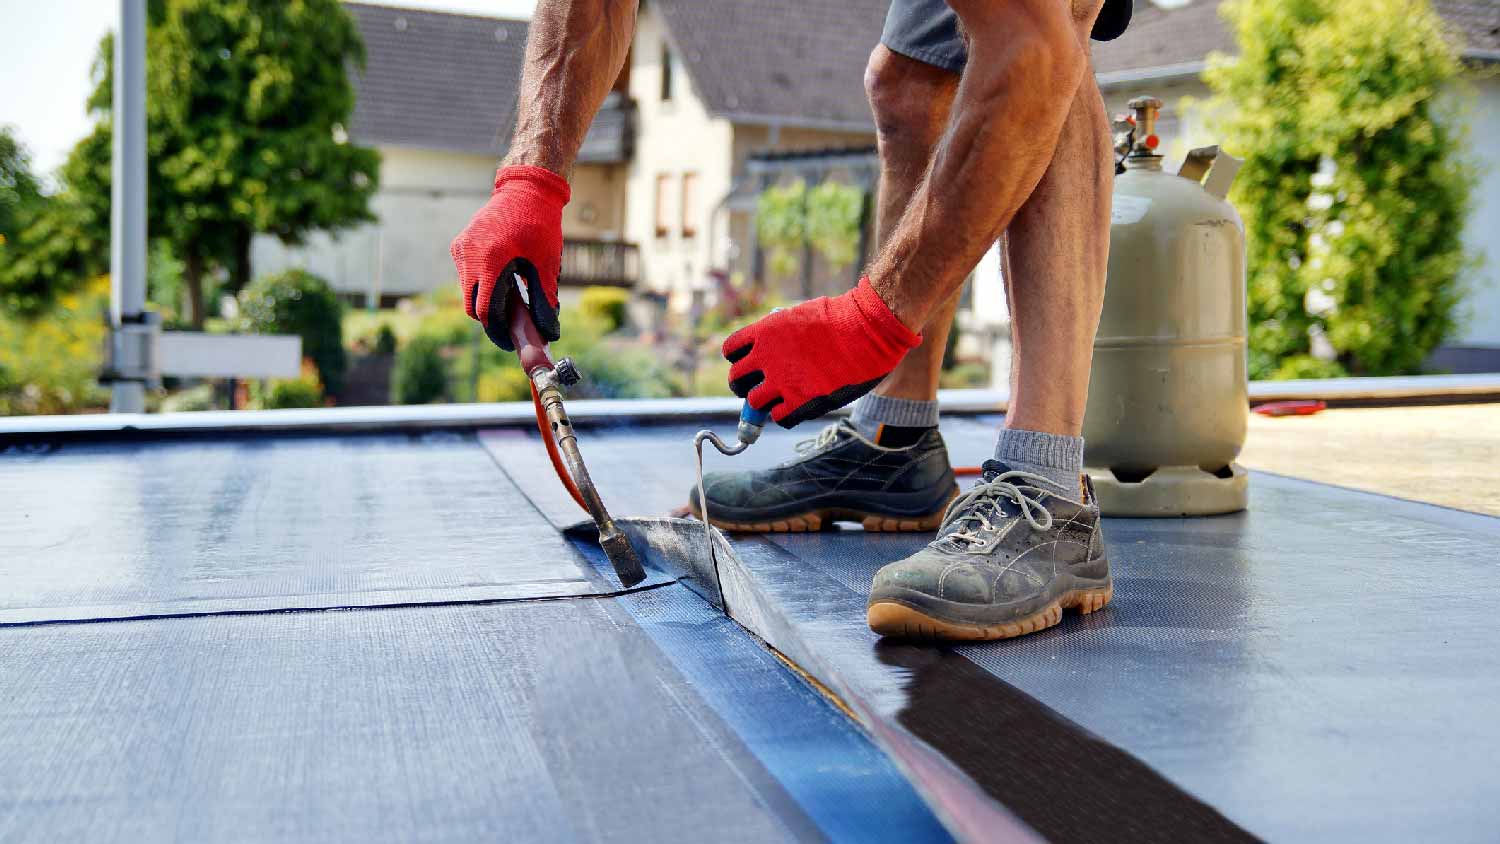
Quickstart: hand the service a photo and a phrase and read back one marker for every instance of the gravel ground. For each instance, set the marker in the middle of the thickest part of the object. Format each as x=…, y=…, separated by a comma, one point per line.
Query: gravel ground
x=1441, y=455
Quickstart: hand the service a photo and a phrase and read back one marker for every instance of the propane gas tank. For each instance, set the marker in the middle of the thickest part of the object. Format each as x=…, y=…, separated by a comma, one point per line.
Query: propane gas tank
x=1168, y=396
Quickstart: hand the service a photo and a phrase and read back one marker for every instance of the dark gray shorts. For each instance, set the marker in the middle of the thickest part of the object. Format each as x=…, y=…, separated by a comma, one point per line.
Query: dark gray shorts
x=925, y=30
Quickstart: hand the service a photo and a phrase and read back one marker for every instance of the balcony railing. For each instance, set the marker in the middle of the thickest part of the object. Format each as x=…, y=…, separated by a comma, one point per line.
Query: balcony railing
x=610, y=263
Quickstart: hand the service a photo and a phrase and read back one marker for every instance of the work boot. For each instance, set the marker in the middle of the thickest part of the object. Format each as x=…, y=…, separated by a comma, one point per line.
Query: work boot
x=839, y=475
x=1011, y=555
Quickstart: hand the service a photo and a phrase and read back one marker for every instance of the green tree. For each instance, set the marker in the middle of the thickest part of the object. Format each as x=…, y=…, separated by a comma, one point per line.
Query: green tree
x=1353, y=189
x=826, y=217
x=20, y=191
x=49, y=245
x=834, y=211
x=781, y=224
x=246, y=106
x=419, y=376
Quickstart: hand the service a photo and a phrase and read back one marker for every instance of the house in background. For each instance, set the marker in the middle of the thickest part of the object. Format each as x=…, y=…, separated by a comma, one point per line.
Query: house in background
x=437, y=98
x=717, y=99
x=654, y=204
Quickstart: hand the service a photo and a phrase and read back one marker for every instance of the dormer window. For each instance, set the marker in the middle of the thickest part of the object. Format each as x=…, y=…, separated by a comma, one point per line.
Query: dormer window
x=666, y=73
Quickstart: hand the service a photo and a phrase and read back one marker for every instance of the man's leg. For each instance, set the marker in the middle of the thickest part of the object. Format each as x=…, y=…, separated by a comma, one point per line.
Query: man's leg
x=905, y=481
x=1025, y=544
x=1057, y=250
x=910, y=100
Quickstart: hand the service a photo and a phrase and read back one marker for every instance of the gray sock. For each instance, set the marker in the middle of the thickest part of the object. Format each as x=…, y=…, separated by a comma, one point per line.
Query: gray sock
x=872, y=411
x=1057, y=458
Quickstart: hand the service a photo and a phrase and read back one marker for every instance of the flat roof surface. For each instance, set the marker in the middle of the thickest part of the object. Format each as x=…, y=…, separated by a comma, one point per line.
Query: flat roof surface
x=1319, y=666
x=378, y=638
x=385, y=636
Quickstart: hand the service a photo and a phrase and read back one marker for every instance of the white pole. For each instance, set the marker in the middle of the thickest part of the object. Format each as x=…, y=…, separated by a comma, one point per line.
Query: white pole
x=127, y=245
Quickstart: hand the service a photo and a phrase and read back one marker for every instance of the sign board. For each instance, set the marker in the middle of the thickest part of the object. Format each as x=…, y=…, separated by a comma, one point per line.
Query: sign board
x=194, y=354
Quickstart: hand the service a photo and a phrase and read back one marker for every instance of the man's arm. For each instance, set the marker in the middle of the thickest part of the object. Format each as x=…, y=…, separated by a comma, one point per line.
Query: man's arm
x=1026, y=60
x=573, y=55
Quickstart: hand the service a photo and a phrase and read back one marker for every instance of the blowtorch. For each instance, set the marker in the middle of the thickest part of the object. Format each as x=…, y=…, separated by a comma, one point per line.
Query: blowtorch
x=547, y=380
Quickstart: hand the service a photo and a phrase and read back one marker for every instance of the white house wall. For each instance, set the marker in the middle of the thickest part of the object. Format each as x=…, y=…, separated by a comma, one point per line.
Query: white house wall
x=425, y=198
x=1481, y=325
x=675, y=137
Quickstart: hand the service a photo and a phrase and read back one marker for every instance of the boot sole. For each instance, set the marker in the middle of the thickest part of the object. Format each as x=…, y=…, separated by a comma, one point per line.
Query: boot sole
x=816, y=520
x=897, y=620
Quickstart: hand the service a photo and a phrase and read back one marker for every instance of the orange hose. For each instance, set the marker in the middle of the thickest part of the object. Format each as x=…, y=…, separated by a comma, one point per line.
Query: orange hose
x=545, y=427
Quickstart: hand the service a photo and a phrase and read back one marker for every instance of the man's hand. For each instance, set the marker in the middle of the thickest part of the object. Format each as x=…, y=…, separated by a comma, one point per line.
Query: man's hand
x=518, y=231
x=803, y=362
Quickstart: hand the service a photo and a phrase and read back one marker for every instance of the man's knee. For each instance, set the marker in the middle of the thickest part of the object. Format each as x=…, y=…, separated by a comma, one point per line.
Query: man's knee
x=1043, y=41
x=908, y=98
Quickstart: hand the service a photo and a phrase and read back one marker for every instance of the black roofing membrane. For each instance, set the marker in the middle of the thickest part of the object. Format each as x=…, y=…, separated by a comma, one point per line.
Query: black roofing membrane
x=1320, y=666
x=196, y=706
x=530, y=721
x=105, y=530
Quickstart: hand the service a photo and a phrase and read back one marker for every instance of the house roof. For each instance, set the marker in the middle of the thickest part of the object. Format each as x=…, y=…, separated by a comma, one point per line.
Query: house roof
x=796, y=62
x=448, y=81
x=436, y=80
x=1162, y=42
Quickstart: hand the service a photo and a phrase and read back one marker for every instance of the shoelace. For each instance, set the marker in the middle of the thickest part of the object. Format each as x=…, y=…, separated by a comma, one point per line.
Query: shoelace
x=824, y=438
x=990, y=493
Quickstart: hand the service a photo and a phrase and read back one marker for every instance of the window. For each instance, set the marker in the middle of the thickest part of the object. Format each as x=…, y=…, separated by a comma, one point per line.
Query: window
x=689, y=204
x=663, y=197
x=666, y=74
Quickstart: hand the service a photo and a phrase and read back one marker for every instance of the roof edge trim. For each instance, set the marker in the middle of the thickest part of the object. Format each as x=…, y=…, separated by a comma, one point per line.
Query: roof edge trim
x=1160, y=73
x=785, y=122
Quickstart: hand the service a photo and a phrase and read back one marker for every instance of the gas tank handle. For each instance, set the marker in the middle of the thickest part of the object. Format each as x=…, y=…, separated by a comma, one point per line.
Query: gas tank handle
x=1211, y=167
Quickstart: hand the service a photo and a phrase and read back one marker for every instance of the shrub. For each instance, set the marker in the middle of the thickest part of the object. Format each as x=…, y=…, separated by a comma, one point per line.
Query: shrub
x=1354, y=191
x=297, y=302
x=617, y=370
x=420, y=376
x=385, y=340
x=504, y=383
x=296, y=392
x=51, y=364
x=605, y=304
x=193, y=399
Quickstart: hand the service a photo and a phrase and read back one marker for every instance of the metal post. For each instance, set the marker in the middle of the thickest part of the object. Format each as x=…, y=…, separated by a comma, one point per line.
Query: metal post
x=807, y=254
x=127, y=245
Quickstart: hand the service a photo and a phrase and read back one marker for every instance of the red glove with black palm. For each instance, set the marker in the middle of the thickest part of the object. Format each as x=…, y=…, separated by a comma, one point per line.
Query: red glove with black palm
x=516, y=237
x=803, y=362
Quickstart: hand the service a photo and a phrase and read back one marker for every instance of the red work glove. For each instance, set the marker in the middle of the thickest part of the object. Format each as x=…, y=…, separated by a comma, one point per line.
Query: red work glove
x=518, y=232
x=819, y=356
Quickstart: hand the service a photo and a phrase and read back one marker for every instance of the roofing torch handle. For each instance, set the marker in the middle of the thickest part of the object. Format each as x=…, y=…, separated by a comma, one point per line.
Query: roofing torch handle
x=547, y=380
x=530, y=347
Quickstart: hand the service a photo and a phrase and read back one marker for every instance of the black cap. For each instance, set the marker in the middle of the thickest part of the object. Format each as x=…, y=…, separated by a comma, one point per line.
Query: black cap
x=1112, y=20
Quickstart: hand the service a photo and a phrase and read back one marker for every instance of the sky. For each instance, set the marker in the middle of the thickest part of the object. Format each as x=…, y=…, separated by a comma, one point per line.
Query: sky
x=47, y=50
